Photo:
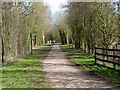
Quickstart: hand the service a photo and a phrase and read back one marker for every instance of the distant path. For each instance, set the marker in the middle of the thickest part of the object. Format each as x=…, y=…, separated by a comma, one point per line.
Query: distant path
x=61, y=73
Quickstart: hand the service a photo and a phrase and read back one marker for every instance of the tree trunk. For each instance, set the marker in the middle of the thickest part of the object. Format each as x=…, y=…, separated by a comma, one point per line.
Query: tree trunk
x=119, y=22
x=77, y=44
x=0, y=48
x=92, y=49
x=67, y=39
x=1, y=37
x=43, y=37
x=84, y=47
x=62, y=37
x=88, y=46
x=2, y=51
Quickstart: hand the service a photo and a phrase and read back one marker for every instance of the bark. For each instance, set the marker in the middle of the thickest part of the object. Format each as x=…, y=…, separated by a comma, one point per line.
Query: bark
x=62, y=37
x=88, y=45
x=3, y=54
x=67, y=39
x=0, y=32
x=84, y=47
x=77, y=44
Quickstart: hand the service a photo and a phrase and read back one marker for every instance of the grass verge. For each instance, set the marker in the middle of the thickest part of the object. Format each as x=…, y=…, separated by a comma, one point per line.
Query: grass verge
x=86, y=61
x=26, y=72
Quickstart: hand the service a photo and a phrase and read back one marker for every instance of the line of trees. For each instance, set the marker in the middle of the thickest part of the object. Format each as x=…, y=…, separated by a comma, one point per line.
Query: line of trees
x=87, y=25
x=84, y=25
x=17, y=21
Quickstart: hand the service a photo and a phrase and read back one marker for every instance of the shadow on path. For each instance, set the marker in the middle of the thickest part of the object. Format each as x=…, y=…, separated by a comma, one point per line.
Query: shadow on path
x=61, y=73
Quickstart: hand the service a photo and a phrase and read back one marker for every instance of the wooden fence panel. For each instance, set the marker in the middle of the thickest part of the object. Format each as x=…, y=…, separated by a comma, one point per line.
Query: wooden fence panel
x=108, y=57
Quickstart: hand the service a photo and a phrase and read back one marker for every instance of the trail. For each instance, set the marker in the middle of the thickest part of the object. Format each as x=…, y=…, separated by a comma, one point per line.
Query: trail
x=61, y=73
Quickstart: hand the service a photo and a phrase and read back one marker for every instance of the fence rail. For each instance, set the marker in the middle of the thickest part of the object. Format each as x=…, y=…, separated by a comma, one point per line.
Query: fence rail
x=108, y=49
x=108, y=57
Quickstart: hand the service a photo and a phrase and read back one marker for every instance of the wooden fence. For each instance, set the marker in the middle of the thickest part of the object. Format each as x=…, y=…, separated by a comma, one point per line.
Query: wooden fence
x=108, y=57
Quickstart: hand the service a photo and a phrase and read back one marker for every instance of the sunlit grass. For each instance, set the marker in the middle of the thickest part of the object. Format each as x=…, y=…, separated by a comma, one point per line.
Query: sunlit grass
x=68, y=48
x=26, y=72
x=86, y=61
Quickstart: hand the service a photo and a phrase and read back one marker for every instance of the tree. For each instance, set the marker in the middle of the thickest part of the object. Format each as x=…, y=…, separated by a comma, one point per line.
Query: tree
x=19, y=19
x=91, y=24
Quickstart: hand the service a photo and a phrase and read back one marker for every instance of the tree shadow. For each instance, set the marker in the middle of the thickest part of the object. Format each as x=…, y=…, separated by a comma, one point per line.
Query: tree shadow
x=111, y=75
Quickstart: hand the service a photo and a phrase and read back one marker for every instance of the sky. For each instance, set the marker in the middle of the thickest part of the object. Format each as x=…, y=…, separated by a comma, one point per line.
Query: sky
x=55, y=5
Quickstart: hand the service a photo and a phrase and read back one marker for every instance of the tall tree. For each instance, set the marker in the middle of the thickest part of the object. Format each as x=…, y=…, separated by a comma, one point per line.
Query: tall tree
x=19, y=19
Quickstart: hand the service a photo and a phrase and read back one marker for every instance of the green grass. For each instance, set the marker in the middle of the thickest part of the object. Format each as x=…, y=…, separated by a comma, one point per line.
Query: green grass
x=68, y=48
x=86, y=61
x=26, y=72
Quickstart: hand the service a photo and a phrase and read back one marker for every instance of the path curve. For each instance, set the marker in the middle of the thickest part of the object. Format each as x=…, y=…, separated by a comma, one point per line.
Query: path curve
x=61, y=73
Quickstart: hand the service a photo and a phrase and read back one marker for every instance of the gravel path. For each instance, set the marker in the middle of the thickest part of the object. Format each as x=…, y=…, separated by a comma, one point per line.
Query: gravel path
x=61, y=73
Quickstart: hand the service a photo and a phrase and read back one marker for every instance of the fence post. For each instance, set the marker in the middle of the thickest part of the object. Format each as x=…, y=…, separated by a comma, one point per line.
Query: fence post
x=95, y=56
x=103, y=51
x=114, y=58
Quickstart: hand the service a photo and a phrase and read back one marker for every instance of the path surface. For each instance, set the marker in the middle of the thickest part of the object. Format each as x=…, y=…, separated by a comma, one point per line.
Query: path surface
x=61, y=73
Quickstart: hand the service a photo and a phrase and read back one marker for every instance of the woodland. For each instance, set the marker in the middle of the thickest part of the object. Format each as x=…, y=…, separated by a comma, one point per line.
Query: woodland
x=82, y=25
